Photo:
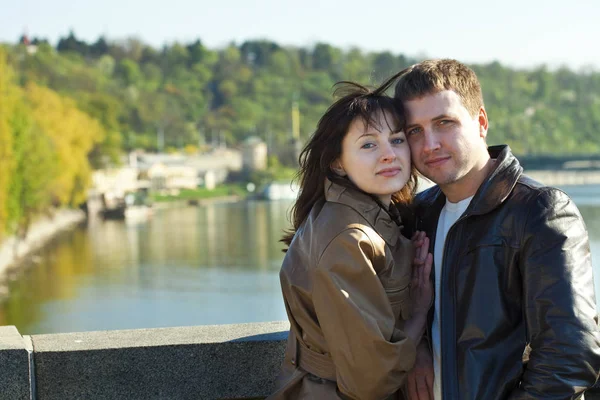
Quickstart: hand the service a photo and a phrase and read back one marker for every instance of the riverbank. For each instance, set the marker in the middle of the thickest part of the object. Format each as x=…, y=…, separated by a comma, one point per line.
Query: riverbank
x=565, y=177
x=13, y=251
x=179, y=203
x=199, y=194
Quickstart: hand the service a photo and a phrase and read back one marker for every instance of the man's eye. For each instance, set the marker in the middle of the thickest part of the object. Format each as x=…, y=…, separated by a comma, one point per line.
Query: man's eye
x=413, y=131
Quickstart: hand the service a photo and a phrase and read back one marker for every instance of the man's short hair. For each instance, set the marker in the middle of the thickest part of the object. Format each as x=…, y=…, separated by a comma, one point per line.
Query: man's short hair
x=432, y=76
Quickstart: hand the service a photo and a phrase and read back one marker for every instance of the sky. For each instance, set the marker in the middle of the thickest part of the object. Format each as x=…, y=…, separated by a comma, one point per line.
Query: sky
x=517, y=33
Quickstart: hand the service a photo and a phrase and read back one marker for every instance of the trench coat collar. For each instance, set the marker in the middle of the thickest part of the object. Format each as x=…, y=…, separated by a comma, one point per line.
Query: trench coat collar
x=378, y=218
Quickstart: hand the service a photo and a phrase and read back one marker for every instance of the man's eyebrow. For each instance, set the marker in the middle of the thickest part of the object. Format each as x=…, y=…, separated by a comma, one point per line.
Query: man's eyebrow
x=437, y=118
x=441, y=116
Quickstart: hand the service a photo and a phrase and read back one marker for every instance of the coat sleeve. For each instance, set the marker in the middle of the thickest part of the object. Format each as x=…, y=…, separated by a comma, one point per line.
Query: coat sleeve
x=559, y=302
x=371, y=356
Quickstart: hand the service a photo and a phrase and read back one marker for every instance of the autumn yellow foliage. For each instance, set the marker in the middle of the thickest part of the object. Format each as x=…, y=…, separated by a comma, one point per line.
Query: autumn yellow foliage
x=45, y=140
x=72, y=134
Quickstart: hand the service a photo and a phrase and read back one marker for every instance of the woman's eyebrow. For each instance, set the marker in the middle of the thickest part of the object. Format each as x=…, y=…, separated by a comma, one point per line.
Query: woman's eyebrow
x=370, y=133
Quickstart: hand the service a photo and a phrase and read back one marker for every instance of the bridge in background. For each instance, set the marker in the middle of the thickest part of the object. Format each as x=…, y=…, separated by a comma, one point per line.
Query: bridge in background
x=563, y=170
x=566, y=162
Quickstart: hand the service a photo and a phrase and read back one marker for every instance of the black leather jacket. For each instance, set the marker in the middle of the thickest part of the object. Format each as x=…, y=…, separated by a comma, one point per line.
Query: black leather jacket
x=517, y=271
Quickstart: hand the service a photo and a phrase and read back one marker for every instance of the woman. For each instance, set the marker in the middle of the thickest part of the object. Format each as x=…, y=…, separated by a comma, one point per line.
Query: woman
x=356, y=308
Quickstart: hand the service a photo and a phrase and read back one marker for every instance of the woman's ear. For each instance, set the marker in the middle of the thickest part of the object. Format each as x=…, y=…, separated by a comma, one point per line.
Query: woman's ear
x=336, y=167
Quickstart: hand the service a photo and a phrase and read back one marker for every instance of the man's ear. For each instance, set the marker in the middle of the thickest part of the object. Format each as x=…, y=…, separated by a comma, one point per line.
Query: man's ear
x=337, y=167
x=483, y=123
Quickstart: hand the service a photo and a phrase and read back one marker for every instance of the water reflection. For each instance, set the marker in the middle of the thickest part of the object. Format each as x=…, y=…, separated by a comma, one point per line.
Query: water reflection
x=189, y=266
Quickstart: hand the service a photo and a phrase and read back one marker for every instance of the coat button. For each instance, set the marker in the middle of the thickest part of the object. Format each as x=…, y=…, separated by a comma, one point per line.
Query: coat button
x=293, y=361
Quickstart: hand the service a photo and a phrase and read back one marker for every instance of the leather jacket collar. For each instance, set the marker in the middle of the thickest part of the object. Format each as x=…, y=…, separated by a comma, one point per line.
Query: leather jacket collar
x=378, y=218
x=493, y=191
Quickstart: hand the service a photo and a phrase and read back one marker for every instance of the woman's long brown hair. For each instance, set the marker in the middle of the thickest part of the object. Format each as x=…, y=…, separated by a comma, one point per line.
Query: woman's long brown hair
x=325, y=146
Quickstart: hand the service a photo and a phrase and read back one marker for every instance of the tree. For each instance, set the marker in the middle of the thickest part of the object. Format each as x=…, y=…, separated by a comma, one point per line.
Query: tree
x=72, y=44
x=258, y=52
x=385, y=64
x=106, y=109
x=72, y=134
x=7, y=100
x=99, y=48
x=128, y=72
x=35, y=168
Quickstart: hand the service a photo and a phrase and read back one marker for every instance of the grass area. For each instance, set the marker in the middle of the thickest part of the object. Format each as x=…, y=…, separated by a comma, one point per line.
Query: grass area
x=285, y=174
x=273, y=174
x=201, y=193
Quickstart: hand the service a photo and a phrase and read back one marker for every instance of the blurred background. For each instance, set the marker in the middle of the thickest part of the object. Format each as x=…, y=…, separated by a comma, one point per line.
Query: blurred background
x=147, y=149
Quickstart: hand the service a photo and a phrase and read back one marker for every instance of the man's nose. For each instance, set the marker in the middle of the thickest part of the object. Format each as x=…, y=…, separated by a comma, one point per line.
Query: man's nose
x=431, y=141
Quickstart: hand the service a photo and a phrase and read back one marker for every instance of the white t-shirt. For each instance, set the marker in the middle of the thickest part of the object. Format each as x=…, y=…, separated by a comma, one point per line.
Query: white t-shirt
x=449, y=215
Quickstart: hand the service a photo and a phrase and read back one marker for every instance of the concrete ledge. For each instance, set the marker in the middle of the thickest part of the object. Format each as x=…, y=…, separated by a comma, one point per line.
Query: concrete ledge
x=14, y=365
x=204, y=362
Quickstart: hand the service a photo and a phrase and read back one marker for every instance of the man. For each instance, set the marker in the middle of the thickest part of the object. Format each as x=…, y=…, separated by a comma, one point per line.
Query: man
x=512, y=262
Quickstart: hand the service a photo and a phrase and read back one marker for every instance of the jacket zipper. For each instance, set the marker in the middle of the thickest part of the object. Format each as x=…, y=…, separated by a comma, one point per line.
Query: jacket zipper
x=452, y=332
x=431, y=313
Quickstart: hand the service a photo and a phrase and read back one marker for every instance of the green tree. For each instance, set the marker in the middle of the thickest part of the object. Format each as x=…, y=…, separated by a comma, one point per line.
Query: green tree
x=7, y=101
x=35, y=168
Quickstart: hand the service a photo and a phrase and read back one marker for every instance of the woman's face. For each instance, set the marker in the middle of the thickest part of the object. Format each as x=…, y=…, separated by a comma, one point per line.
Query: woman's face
x=377, y=158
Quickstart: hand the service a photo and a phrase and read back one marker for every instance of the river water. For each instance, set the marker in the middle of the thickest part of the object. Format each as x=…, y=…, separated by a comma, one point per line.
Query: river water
x=215, y=264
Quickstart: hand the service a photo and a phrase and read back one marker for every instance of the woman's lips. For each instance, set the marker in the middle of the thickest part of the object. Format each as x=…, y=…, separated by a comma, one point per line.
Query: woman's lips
x=389, y=172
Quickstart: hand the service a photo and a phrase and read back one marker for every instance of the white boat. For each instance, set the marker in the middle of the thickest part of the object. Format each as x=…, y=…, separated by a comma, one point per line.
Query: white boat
x=281, y=191
x=137, y=213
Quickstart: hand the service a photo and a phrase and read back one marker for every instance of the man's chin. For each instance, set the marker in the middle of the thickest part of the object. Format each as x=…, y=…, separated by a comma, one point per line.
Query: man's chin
x=435, y=178
x=440, y=180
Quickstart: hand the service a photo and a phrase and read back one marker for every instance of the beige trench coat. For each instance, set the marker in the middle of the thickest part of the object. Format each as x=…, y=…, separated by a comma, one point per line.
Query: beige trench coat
x=345, y=282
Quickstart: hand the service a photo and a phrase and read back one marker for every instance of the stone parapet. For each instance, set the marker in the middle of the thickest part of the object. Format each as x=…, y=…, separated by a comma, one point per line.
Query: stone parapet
x=15, y=353
x=202, y=362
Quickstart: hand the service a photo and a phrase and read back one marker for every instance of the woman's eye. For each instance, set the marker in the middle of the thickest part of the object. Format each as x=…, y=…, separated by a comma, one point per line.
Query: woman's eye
x=367, y=146
x=398, y=140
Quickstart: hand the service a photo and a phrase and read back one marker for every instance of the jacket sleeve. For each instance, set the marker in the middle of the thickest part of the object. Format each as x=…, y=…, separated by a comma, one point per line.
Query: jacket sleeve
x=371, y=356
x=559, y=302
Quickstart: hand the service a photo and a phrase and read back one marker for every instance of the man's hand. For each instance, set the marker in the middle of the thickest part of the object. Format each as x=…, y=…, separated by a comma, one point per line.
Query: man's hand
x=420, y=378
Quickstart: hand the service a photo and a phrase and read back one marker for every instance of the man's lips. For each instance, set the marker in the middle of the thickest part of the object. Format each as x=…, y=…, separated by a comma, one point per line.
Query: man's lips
x=388, y=172
x=436, y=162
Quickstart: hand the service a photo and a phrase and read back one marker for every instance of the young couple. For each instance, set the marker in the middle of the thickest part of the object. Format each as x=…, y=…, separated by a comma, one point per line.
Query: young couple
x=496, y=264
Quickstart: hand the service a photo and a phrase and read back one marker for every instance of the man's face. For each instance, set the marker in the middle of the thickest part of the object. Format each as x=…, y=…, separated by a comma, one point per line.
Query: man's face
x=446, y=142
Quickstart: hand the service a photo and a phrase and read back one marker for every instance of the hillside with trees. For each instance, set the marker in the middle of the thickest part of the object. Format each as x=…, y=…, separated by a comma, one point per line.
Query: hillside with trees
x=67, y=109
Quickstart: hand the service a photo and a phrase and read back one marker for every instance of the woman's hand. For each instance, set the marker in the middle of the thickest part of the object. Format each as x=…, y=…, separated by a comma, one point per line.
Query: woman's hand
x=420, y=378
x=421, y=289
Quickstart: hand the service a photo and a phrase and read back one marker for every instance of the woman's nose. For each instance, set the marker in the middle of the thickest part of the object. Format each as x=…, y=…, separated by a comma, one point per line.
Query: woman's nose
x=388, y=153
